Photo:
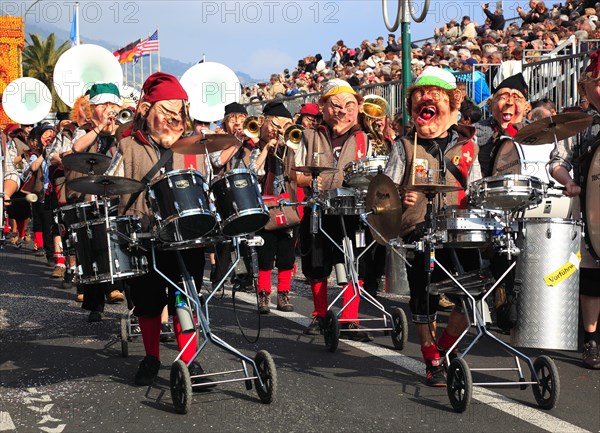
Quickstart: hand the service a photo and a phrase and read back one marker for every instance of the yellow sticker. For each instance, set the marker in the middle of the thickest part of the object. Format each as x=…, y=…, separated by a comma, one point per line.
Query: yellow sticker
x=565, y=271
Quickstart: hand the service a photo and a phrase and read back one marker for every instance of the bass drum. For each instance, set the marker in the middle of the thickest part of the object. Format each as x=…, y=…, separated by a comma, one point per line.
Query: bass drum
x=514, y=158
x=591, y=205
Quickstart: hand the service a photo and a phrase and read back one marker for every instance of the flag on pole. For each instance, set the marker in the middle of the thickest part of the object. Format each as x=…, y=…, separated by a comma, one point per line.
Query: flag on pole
x=74, y=36
x=148, y=45
x=127, y=53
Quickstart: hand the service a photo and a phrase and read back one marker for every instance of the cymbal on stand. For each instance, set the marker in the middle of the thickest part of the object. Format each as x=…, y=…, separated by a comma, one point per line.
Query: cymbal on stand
x=314, y=170
x=384, y=201
x=105, y=185
x=202, y=144
x=89, y=163
x=562, y=126
x=431, y=188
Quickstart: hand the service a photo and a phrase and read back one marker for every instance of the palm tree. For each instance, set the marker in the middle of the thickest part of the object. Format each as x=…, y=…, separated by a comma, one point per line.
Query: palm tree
x=39, y=58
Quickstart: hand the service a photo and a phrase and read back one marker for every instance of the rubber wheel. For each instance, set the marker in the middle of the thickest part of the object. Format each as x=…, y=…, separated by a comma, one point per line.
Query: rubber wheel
x=460, y=385
x=547, y=391
x=181, y=387
x=400, y=331
x=124, y=338
x=265, y=369
x=331, y=331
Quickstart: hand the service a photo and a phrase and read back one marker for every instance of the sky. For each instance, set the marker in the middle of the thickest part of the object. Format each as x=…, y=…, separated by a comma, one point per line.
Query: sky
x=256, y=37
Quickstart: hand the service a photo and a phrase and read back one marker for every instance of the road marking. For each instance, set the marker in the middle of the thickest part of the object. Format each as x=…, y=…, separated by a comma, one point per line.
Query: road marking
x=6, y=422
x=502, y=403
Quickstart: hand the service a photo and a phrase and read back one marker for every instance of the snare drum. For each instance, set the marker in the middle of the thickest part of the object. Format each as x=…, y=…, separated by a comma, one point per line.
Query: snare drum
x=507, y=192
x=239, y=203
x=359, y=173
x=467, y=228
x=180, y=205
x=514, y=158
x=343, y=201
x=92, y=250
x=79, y=213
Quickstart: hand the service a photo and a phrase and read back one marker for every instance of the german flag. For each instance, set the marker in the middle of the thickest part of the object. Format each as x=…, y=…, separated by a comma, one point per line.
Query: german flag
x=127, y=53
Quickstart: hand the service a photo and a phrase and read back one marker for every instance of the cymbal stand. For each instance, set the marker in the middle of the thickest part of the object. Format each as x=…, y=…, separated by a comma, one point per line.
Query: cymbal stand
x=263, y=380
x=108, y=233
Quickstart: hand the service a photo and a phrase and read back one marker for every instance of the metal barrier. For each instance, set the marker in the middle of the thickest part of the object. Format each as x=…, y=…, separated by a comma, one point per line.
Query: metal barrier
x=390, y=91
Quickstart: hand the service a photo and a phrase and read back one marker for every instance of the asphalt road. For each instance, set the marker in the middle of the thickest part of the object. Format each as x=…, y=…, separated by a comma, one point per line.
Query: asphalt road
x=59, y=373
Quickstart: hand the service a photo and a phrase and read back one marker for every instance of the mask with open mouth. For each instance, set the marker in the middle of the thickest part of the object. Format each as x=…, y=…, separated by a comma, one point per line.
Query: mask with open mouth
x=433, y=119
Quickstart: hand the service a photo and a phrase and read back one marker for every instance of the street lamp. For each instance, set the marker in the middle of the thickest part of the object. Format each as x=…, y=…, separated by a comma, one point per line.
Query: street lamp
x=405, y=12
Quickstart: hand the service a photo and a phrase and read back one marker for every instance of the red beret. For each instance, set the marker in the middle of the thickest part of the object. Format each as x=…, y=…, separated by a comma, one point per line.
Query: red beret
x=11, y=128
x=310, y=109
x=594, y=66
x=160, y=87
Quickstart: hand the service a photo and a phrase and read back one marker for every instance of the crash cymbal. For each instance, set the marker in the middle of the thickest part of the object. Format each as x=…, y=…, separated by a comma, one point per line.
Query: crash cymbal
x=562, y=125
x=84, y=162
x=105, y=185
x=310, y=169
x=431, y=188
x=384, y=201
x=202, y=144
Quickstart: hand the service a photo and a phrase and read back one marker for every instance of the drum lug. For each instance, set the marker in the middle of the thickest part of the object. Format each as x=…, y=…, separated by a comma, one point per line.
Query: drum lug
x=79, y=270
x=236, y=208
x=177, y=208
x=117, y=267
x=169, y=183
x=151, y=194
x=95, y=269
x=549, y=232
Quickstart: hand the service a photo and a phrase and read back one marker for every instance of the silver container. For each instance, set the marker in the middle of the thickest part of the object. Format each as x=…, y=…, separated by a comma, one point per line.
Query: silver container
x=548, y=304
x=396, y=280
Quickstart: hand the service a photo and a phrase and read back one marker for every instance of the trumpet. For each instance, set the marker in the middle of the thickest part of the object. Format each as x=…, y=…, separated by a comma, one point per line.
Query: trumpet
x=292, y=136
x=124, y=116
x=252, y=127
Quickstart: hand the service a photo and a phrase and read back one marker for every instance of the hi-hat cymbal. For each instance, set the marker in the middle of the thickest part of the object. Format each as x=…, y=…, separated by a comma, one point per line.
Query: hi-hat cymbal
x=563, y=125
x=310, y=169
x=384, y=200
x=89, y=163
x=105, y=185
x=202, y=144
x=431, y=188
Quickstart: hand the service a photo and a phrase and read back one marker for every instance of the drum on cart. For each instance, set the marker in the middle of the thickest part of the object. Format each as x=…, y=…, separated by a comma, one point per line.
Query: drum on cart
x=343, y=201
x=591, y=205
x=238, y=201
x=181, y=207
x=514, y=158
x=547, y=272
x=467, y=228
x=95, y=251
x=360, y=172
x=507, y=192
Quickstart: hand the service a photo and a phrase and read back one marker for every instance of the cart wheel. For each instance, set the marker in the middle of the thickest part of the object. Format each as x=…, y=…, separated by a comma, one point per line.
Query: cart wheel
x=331, y=331
x=181, y=387
x=265, y=369
x=547, y=390
x=400, y=325
x=124, y=338
x=460, y=385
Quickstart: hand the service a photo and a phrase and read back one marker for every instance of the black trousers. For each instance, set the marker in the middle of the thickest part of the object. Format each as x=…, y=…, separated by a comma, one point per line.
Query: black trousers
x=278, y=249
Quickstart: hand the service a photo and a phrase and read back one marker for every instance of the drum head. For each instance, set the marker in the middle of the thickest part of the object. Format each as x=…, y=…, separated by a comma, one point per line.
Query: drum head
x=507, y=160
x=592, y=205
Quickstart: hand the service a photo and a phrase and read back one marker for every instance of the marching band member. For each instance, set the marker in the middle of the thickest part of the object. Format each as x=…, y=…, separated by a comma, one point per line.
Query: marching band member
x=509, y=106
x=561, y=164
x=242, y=154
x=448, y=149
x=159, y=121
x=309, y=115
x=98, y=137
x=335, y=143
x=273, y=168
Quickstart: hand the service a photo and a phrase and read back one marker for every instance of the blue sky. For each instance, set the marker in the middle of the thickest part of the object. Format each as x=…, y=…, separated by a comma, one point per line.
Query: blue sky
x=256, y=37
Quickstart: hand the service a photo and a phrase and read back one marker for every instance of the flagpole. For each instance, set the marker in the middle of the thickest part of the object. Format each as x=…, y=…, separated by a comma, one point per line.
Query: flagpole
x=142, y=65
x=158, y=55
x=77, y=41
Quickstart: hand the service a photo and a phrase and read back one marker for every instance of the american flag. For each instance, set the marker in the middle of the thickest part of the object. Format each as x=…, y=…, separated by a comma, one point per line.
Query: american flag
x=148, y=45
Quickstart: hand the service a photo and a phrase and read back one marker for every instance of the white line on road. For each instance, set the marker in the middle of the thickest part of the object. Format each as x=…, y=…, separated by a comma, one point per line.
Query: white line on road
x=6, y=422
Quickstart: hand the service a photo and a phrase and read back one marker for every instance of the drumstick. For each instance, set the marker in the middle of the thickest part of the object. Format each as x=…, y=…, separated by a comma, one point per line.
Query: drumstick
x=414, y=161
